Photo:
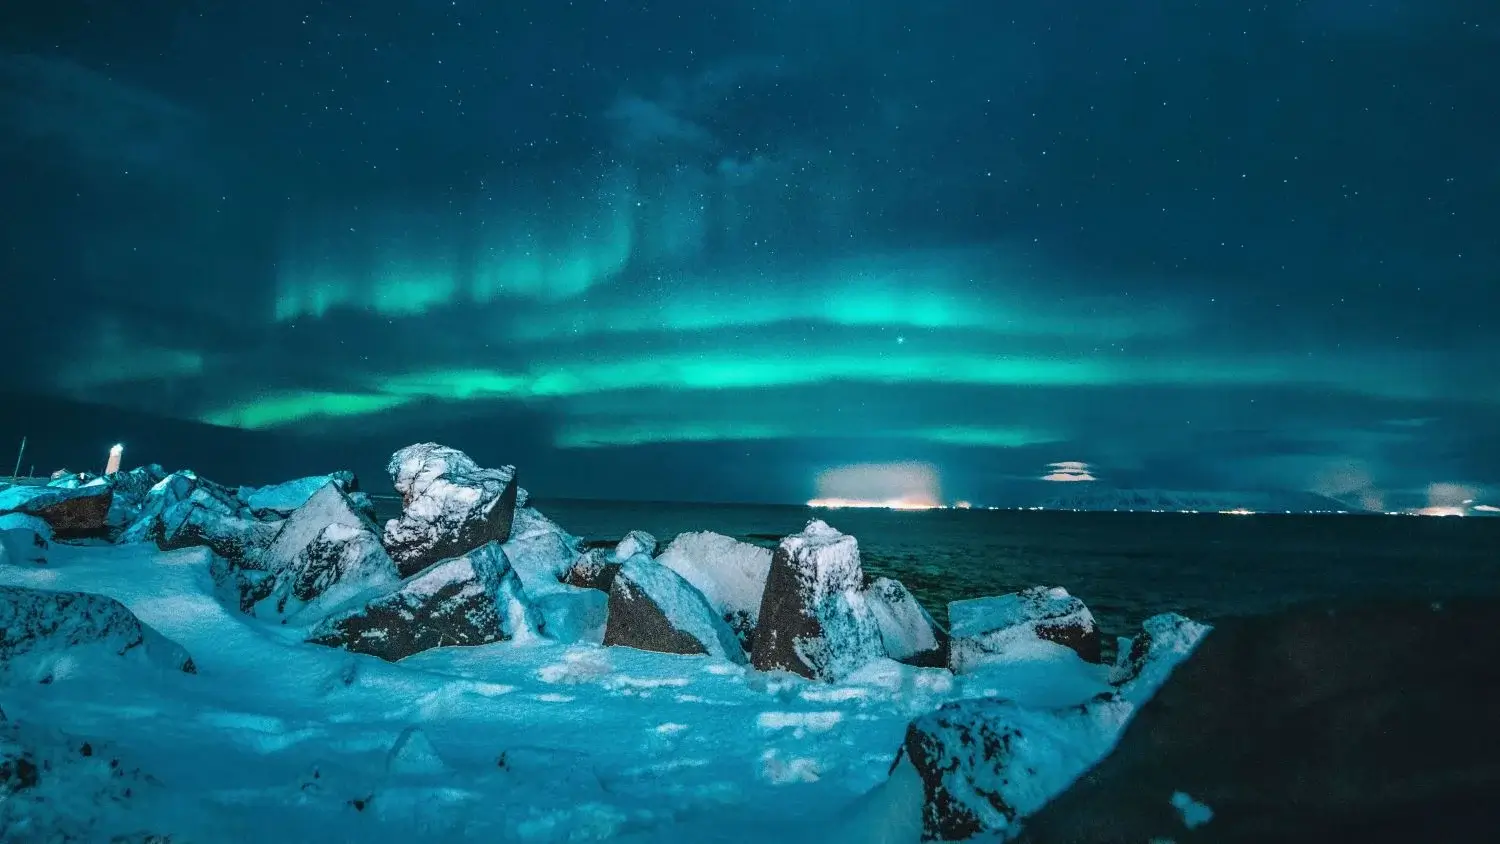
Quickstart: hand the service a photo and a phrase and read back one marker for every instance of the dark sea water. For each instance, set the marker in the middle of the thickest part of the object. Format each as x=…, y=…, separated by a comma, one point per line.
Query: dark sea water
x=1125, y=566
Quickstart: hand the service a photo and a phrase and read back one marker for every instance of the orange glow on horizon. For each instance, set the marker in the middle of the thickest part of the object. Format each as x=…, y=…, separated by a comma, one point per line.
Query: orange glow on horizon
x=908, y=503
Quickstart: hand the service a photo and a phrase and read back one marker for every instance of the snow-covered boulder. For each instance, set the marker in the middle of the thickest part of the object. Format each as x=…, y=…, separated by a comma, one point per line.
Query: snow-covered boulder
x=907, y=631
x=539, y=550
x=652, y=608
x=60, y=788
x=71, y=512
x=635, y=542
x=131, y=489
x=572, y=614
x=595, y=568
x=449, y=505
x=171, y=491
x=470, y=600
x=237, y=539
x=24, y=540
x=1361, y=723
x=986, y=628
x=986, y=763
x=278, y=501
x=37, y=627
x=730, y=573
x=814, y=619
x=325, y=553
x=22, y=546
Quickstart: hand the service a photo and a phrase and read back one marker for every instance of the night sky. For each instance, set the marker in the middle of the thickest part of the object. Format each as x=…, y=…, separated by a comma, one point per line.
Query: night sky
x=708, y=250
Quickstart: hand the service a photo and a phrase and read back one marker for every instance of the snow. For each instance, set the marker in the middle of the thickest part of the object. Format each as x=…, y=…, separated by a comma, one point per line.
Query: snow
x=283, y=498
x=1194, y=814
x=546, y=736
x=906, y=629
x=449, y=504
x=635, y=542
x=730, y=573
x=987, y=628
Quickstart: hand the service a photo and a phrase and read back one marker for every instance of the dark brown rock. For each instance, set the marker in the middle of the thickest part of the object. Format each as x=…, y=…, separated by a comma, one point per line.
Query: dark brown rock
x=595, y=568
x=236, y=539
x=470, y=600
x=1362, y=724
x=79, y=513
x=450, y=506
x=653, y=608
x=814, y=619
x=41, y=623
x=985, y=627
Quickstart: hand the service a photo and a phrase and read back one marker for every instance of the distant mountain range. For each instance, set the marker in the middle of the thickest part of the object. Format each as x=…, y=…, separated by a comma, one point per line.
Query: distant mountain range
x=1093, y=497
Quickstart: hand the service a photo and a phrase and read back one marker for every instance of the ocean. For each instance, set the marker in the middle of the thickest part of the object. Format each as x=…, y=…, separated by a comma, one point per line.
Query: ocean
x=1125, y=566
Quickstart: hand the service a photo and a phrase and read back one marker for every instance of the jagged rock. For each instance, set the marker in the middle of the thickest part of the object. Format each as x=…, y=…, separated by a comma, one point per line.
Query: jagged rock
x=37, y=624
x=595, y=568
x=730, y=573
x=1307, y=726
x=72, y=513
x=173, y=490
x=814, y=619
x=907, y=632
x=238, y=540
x=470, y=600
x=324, y=554
x=277, y=501
x=450, y=505
x=635, y=542
x=131, y=490
x=988, y=628
x=540, y=551
x=986, y=763
x=652, y=608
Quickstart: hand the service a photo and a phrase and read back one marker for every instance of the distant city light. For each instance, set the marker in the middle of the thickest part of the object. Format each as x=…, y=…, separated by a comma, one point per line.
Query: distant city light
x=890, y=504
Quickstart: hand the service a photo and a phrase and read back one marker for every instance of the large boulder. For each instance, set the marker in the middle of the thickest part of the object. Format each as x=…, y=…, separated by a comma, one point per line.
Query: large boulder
x=652, y=608
x=325, y=553
x=24, y=540
x=278, y=501
x=470, y=600
x=72, y=513
x=540, y=551
x=1361, y=724
x=814, y=618
x=37, y=627
x=907, y=631
x=986, y=763
x=237, y=539
x=595, y=568
x=173, y=490
x=449, y=505
x=131, y=489
x=988, y=628
x=730, y=573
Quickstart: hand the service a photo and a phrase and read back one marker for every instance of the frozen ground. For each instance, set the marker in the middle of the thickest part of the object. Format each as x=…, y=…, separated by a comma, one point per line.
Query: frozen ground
x=277, y=740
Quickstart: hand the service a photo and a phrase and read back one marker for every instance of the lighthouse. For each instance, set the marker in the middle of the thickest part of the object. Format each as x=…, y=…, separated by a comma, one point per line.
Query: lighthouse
x=115, y=452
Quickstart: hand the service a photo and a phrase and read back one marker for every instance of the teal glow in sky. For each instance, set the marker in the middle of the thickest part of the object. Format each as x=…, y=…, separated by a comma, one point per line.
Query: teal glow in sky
x=1193, y=247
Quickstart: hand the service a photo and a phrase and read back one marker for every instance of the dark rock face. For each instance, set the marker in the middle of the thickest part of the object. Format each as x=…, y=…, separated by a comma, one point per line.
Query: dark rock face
x=1308, y=726
x=986, y=627
x=324, y=553
x=470, y=600
x=814, y=619
x=451, y=505
x=652, y=608
x=176, y=490
x=238, y=540
x=72, y=513
x=36, y=622
x=594, y=569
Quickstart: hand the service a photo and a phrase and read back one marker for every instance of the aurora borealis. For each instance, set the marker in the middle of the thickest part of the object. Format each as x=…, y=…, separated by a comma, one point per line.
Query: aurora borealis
x=1191, y=247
